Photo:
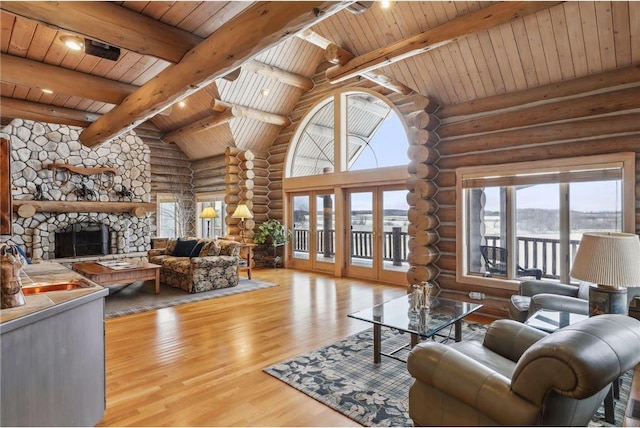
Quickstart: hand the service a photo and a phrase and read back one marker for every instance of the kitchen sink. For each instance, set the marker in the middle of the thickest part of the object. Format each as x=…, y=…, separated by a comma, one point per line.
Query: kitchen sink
x=75, y=284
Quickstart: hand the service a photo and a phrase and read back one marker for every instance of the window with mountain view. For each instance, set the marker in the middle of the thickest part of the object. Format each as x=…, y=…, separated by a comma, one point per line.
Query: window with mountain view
x=526, y=220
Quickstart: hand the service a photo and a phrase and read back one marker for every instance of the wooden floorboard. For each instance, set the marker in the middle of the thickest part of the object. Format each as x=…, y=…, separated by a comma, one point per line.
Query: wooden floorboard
x=201, y=364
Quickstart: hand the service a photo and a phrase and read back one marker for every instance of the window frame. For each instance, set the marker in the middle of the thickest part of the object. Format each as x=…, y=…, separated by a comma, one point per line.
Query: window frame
x=164, y=198
x=210, y=199
x=625, y=161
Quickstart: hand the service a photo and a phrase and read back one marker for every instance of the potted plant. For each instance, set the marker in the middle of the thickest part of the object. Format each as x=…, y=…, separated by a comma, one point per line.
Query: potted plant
x=274, y=234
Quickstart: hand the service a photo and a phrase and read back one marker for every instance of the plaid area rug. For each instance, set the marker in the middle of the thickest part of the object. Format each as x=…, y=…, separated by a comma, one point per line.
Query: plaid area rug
x=344, y=377
x=140, y=297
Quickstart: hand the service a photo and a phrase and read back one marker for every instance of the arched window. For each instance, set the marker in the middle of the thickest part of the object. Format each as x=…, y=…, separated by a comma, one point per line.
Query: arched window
x=314, y=151
x=372, y=137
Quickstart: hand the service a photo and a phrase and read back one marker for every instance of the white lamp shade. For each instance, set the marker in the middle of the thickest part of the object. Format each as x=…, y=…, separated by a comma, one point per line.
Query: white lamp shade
x=608, y=259
x=242, y=211
x=209, y=212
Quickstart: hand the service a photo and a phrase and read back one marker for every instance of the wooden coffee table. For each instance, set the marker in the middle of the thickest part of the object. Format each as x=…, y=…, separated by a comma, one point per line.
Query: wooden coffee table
x=103, y=275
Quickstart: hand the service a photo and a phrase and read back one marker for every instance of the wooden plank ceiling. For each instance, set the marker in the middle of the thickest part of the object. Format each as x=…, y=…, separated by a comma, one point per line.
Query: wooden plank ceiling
x=504, y=47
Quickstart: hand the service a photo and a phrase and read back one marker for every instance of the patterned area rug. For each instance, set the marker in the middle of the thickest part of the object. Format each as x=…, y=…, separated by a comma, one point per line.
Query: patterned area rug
x=140, y=297
x=344, y=377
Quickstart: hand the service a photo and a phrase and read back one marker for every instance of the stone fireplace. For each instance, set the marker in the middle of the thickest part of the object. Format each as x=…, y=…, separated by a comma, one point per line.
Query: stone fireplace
x=86, y=238
x=34, y=147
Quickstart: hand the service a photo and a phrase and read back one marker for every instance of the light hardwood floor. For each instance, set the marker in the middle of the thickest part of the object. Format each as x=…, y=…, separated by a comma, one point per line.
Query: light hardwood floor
x=201, y=364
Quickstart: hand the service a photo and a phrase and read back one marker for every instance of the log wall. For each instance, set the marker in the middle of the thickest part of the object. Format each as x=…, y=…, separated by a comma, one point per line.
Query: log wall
x=239, y=179
x=171, y=173
x=555, y=121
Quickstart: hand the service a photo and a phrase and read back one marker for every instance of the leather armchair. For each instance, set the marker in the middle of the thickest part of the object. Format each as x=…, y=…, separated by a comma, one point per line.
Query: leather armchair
x=522, y=376
x=535, y=295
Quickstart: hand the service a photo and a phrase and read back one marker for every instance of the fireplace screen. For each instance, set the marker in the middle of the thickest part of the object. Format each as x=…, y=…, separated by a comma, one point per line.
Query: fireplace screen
x=83, y=239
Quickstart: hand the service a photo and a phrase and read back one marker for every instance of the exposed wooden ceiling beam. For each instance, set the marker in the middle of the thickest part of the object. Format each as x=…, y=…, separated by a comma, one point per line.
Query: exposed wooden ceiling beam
x=208, y=122
x=494, y=15
x=250, y=113
x=25, y=72
x=45, y=113
x=232, y=76
x=279, y=74
x=259, y=27
x=111, y=24
x=337, y=55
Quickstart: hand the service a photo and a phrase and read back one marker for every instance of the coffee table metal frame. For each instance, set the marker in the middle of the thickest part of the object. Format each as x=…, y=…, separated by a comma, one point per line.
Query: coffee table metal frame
x=423, y=324
x=106, y=276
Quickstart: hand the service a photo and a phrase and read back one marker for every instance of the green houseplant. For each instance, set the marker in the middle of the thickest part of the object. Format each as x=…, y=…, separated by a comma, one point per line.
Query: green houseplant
x=274, y=234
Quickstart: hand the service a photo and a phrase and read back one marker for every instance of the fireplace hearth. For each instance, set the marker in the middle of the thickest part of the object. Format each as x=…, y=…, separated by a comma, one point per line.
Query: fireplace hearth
x=83, y=239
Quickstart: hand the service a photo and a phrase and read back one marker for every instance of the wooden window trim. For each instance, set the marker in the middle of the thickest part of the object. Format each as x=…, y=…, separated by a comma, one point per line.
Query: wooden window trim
x=625, y=160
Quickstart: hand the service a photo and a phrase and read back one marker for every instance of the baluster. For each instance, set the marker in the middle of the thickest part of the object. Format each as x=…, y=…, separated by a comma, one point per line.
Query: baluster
x=544, y=258
x=553, y=260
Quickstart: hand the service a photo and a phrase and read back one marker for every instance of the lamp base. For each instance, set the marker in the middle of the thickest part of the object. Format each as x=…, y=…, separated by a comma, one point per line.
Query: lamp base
x=607, y=301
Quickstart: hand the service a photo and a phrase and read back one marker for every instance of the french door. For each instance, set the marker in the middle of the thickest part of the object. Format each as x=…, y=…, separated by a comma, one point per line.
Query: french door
x=313, y=228
x=377, y=242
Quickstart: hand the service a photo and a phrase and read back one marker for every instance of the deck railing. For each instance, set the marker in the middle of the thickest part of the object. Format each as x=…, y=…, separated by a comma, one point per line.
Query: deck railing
x=538, y=253
x=533, y=253
x=395, y=244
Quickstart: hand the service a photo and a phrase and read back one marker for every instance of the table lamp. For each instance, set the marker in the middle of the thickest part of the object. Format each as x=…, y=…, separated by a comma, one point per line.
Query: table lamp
x=612, y=262
x=242, y=212
x=208, y=213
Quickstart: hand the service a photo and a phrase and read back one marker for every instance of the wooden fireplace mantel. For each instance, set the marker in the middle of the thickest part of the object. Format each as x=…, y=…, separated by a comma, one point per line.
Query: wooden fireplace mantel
x=29, y=208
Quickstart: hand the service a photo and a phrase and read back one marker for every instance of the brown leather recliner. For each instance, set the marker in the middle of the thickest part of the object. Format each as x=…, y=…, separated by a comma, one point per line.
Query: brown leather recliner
x=522, y=376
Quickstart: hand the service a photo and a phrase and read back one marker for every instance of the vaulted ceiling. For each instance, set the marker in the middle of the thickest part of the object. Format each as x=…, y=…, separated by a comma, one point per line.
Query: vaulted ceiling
x=240, y=67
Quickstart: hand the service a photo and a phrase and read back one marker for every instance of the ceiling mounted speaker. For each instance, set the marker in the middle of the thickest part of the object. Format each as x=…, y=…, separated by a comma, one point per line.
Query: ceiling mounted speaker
x=359, y=6
x=91, y=47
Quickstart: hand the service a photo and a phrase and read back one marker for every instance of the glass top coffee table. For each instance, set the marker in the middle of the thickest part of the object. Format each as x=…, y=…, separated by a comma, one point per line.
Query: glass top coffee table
x=423, y=324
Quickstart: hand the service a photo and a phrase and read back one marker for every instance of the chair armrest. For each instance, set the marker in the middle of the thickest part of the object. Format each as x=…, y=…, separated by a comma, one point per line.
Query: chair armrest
x=511, y=338
x=533, y=287
x=458, y=376
x=555, y=302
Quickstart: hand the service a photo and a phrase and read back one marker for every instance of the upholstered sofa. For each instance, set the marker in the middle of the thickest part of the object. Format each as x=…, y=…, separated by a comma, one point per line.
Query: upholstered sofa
x=206, y=265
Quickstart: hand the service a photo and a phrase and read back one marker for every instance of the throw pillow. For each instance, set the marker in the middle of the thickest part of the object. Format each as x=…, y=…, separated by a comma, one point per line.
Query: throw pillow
x=196, y=250
x=211, y=248
x=183, y=248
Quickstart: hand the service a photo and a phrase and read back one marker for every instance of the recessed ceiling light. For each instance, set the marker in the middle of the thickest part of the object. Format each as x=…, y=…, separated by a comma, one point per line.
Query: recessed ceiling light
x=73, y=42
x=182, y=104
x=264, y=92
x=47, y=91
x=385, y=4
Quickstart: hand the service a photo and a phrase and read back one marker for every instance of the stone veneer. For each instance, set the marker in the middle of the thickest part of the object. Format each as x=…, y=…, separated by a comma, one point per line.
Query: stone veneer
x=34, y=145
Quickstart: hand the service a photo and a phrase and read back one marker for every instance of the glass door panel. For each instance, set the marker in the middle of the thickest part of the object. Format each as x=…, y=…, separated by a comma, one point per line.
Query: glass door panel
x=361, y=236
x=395, y=240
x=301, y=227
x=325, y=225
x=313, y=227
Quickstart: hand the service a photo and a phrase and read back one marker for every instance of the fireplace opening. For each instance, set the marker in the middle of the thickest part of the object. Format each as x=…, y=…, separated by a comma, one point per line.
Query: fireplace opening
x=83, y=239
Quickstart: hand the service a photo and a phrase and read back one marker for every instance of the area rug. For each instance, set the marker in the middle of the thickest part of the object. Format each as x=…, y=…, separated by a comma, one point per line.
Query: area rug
x=344, y=377
x=140, y=297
